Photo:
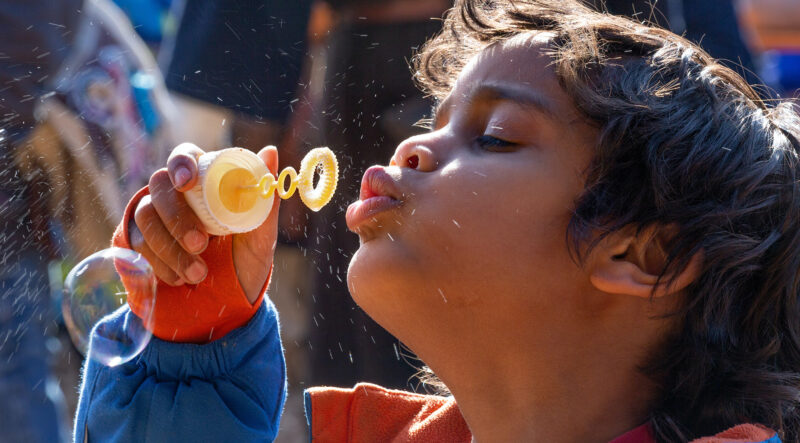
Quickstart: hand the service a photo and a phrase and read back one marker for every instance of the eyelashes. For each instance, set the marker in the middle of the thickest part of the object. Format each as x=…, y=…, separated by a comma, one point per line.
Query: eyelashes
x=484, y=141
x=491, y=143
x=424, y=123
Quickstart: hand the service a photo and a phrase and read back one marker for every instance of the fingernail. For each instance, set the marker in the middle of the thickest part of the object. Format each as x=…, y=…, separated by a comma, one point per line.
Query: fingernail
x=196, y=272
x=182, y=176
x=194, y=240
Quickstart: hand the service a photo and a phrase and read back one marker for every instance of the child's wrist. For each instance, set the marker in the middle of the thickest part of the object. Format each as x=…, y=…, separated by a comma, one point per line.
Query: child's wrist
x=195, y=313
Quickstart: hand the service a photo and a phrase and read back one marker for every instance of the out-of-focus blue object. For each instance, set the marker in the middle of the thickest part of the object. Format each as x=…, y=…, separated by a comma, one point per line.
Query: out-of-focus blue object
x=789, y=69
x=142, y=85
x=148, y=17
x=28, y=413
x=781, y=69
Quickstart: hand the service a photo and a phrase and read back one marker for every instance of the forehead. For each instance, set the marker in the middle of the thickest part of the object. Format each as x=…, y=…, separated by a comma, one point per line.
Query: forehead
x=522, y=61
x=521, y=58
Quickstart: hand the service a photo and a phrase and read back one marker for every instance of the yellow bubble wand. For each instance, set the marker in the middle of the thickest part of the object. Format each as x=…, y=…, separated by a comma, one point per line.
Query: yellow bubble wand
x=235, y=189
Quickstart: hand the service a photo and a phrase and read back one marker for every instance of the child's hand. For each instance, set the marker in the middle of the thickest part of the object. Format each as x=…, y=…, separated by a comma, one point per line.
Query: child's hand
x=171, y=237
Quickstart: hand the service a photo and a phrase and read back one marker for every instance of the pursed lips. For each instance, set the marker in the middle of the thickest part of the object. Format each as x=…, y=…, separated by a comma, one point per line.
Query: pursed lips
x=377, y=182
x=379, y=192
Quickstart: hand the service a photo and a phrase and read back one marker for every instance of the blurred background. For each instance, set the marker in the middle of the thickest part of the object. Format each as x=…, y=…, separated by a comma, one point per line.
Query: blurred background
x=95, y=93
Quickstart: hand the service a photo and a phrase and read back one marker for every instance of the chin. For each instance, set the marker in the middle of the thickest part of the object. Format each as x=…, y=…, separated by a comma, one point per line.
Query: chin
x=367, y=272
x=377, y=277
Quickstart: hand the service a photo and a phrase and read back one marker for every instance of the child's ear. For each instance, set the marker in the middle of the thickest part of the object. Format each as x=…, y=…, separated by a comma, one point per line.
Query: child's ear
x=628, y=262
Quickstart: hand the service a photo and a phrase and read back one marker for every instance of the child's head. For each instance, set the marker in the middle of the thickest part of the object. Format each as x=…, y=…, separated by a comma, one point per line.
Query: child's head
x=584, y=167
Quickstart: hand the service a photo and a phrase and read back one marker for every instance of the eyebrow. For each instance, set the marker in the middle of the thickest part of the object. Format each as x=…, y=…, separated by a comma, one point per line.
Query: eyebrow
x=522, y=96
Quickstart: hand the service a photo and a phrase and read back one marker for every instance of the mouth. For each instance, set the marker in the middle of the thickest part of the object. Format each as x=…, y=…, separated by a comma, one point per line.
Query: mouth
x=379, y=194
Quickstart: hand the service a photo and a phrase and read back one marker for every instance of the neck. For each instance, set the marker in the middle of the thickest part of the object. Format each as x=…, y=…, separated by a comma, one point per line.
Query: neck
x=563, y=386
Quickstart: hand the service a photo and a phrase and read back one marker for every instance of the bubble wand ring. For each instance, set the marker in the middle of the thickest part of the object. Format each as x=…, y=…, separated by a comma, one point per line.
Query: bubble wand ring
x=267, y=185
x=234, y=192
x=322, y=158
x=292, y=174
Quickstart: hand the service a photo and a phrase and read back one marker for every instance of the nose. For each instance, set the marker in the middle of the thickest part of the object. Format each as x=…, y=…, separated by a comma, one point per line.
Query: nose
x=412, y=153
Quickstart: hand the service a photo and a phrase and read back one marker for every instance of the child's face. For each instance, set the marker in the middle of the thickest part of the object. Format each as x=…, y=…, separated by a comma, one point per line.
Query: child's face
x=475, y=234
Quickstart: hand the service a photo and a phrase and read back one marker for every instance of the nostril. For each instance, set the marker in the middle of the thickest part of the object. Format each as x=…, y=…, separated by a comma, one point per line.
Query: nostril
x=412, y=162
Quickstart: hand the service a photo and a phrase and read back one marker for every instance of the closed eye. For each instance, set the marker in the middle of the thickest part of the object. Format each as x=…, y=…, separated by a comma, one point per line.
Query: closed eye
x=494, y=144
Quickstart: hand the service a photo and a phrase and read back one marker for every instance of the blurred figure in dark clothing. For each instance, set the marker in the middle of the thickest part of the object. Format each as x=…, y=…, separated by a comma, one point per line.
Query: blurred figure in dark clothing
x=87, y=116
x=711, y=23
x=244, y=56
x=34, y=40
x=370, y=105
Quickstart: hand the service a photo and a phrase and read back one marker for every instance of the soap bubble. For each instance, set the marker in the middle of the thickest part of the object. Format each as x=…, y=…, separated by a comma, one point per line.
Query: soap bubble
x=96, y=299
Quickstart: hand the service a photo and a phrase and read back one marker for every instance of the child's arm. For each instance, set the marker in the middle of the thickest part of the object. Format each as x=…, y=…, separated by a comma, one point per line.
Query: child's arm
x=185, y=385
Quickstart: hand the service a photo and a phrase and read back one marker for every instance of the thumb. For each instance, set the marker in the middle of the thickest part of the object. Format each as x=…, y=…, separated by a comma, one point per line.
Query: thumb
x=269, y=155
x=253, y=251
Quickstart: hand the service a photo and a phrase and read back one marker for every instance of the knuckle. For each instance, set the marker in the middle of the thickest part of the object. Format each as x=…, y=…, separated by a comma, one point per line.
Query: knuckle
x=159, y=180
x=176, y=220
x=185, y=148
x=144, y=213
x=168, y=276
x=184, y=262
x=175, y=226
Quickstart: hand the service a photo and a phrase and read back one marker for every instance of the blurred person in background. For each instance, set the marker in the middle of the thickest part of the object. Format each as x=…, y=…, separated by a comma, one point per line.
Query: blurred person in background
x=369, y=105
x=87, y=115
x=237, y=64
x=34, y=40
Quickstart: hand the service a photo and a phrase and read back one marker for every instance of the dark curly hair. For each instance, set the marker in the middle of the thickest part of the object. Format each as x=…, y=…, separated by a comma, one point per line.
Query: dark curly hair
x=684, y=142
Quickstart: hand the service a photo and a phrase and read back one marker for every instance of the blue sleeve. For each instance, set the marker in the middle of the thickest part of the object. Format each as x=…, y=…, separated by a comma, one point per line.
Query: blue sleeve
x=232, y=389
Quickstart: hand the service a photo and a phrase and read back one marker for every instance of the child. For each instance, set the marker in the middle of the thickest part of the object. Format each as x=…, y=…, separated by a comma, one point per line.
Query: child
x=598, y=240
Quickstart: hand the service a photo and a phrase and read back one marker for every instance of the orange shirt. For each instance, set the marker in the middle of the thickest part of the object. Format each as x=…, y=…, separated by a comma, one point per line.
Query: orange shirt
x=369, y=412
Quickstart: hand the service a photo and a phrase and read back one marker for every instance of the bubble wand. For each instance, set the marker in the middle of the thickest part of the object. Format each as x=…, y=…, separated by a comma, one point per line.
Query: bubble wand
x=235, y=190
x=234, y=194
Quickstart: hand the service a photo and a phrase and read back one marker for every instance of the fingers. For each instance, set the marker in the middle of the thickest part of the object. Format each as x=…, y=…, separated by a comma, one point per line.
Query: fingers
x=166, y=231
x=182, y=166
x=162, y=270
x=176, y=215
x=170, y=261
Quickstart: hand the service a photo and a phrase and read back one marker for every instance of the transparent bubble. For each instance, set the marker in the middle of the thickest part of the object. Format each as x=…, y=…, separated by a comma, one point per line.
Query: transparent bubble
x=95, y=301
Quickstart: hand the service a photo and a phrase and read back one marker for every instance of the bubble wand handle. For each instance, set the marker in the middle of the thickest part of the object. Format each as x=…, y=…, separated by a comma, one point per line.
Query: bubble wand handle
x=235, y=190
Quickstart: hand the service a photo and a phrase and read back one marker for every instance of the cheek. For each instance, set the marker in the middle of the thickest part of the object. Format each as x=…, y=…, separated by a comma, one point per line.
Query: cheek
x=505, y=214
x=496, y=237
